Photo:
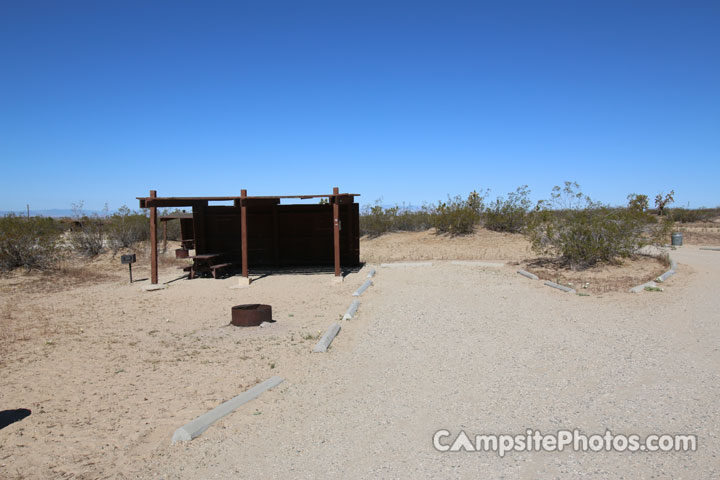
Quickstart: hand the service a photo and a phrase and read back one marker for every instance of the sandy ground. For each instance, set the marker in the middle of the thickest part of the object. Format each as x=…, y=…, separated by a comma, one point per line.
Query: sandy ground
x=481, y=245
x=109, y=372
x=486, y=351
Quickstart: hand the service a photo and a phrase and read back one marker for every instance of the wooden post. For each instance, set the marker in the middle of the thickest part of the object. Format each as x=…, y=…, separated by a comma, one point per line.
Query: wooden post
x=153, y=242
x=164, y=236
x=336, y=230
x=243, y=227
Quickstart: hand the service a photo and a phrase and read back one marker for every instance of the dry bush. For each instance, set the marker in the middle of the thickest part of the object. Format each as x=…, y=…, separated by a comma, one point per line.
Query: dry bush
x=89, y=239
x=458, y=216
x=376, y=220
x=126, y=228
x=511, y=214
x=695, y=215
x=582, y=233
x=30, y=242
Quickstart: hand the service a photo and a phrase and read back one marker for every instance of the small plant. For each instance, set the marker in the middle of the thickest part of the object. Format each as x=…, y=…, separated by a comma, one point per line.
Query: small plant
x=377, y=220
x=687, y=215
x=126, y=228
x=509, y=215
x=89, y=239
x=653, y=289
x=583, y=232
x=458, y=216
x=29, y=242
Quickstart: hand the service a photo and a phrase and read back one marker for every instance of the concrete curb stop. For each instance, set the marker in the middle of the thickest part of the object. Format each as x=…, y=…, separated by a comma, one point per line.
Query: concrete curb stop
x=529, y=275
x=477, y=263
x=362, y=288
x=352, y=310
x=559, y=287
x=371, y=273
x=717, y=249
x=327, y=339
x=665, y=276
x=406, y=264
x=191, y=430
x=154, y=286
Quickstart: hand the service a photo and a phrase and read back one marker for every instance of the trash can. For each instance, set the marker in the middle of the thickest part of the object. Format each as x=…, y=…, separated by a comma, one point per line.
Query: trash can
x=676, y=239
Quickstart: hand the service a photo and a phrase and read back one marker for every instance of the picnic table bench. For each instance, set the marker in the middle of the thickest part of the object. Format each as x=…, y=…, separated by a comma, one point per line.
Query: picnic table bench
x=208, y=263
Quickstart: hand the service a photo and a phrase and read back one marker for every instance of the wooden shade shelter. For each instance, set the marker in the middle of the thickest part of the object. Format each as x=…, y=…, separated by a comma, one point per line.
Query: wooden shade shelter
x=261, y=232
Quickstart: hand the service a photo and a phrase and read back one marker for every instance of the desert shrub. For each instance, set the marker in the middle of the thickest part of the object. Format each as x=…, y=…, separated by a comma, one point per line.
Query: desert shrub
x=376, y=219
x=638, y=202
x=458, y=216
x=687, y=215
x=125, y=228
x=89, y=238
x=28, y=242
x=582, y=232
x=511, y=214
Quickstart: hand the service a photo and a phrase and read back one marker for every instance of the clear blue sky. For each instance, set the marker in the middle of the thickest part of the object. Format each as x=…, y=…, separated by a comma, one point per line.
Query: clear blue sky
x=410, y=101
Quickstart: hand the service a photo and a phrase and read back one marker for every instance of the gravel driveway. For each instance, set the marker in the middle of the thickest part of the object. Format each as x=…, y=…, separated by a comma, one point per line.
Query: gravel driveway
x=486, y=351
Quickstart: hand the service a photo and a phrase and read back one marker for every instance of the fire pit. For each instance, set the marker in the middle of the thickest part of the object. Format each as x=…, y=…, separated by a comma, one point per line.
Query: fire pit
x=251, y=315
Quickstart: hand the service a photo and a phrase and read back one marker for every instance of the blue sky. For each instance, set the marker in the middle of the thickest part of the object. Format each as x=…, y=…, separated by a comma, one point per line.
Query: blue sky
x=408, y=101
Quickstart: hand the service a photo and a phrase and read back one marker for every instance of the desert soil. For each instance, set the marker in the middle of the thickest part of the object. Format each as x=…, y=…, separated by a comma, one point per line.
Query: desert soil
x=109, y=372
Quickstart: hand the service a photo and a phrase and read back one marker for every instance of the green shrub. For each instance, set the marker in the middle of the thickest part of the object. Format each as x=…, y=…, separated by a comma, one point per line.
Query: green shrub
x=127, y=228
x=89, y=238
x=582, y=232
x=686, y=215
x=509, y=215
x=28, y=242
x=458, y=216
x=376, y=220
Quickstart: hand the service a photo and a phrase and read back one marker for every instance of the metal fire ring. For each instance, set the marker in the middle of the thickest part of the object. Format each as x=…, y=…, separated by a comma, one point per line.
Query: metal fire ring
x=251, y=315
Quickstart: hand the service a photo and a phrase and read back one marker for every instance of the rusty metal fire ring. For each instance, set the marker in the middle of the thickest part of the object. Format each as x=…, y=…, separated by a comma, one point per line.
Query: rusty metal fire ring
x=251, y=315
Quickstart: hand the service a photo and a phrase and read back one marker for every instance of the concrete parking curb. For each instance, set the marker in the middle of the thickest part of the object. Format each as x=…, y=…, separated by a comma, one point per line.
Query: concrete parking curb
x=527, y=274
x=352, y=310
x=362, y=288
x=371, y=273
x=717, y=249
x=406, y=264
x=477, y=263
x=327, y=339
x=559, y=287
x=191, y=430
x=665, y=276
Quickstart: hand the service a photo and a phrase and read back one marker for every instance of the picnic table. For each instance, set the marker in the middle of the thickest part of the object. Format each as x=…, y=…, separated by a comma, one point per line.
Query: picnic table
x=208, y=263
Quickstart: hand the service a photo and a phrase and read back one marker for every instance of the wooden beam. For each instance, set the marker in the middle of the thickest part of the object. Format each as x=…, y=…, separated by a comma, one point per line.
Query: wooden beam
x=336, y=230
x=153, y=242
x=243, y=227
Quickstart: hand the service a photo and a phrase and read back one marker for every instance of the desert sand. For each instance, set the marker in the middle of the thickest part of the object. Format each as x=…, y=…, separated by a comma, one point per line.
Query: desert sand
x=110, y=371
